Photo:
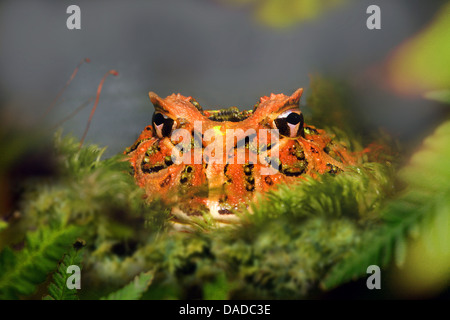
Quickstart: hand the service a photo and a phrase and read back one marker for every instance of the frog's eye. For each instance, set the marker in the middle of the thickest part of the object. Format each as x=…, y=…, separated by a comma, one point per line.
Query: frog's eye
x=163, y=124
x=290, y=123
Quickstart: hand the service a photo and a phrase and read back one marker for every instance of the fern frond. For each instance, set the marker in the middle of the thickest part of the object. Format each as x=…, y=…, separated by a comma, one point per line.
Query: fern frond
x=427, y=177
x=57, y=290
x=134, y=290
x=22, y=271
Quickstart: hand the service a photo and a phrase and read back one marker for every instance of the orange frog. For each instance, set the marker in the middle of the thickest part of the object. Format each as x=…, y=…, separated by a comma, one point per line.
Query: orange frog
x=209, y=164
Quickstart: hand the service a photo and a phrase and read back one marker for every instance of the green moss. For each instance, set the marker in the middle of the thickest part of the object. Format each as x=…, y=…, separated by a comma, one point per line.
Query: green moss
x=289, y=241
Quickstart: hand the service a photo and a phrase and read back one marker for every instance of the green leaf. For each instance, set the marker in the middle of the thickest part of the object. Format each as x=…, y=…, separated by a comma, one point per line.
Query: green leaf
x=22, y=271
x=134, y=290
x=3, y=225
x=420, y=64
x=58, y=290
x=428, y=184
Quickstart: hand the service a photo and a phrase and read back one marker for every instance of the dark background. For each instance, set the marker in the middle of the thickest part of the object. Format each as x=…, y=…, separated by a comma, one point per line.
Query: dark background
x=211, y=50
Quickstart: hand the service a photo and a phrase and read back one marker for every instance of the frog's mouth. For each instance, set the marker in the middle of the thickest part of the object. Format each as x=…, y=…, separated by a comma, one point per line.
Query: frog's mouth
x=232, y=114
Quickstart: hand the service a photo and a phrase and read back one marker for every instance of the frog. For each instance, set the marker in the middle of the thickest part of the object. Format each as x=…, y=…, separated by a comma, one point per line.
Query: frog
x=272, y=142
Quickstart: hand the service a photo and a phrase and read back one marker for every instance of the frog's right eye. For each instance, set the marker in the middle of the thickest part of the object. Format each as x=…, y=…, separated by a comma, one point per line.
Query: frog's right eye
x=162, y=124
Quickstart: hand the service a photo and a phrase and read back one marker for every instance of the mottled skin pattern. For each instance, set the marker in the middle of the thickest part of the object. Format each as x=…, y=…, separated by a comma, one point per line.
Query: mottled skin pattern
x=219, y=189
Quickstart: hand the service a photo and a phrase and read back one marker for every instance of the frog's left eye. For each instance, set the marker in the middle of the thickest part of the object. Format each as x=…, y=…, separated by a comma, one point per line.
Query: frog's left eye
x=163, y=124
x=290, y=123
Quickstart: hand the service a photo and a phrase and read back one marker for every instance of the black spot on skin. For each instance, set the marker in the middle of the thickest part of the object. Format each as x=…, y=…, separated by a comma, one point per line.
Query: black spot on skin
x=268, y=180
x=248, y=169
x=135, y=145
x=231, y=114
x=249, y=179
x=168, y=162
x=225, y=172
x=165, y=182
x=332, y=169
x=196, y=105
x=295, y=171
x=300, y=155
x=297, y=151
x=148, y=169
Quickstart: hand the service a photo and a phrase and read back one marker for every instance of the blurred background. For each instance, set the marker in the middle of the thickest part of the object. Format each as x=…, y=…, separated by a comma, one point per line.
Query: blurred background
x=222, y=52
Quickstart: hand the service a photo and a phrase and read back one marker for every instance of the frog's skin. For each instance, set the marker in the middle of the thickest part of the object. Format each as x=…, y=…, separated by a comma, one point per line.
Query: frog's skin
x=220, y=189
